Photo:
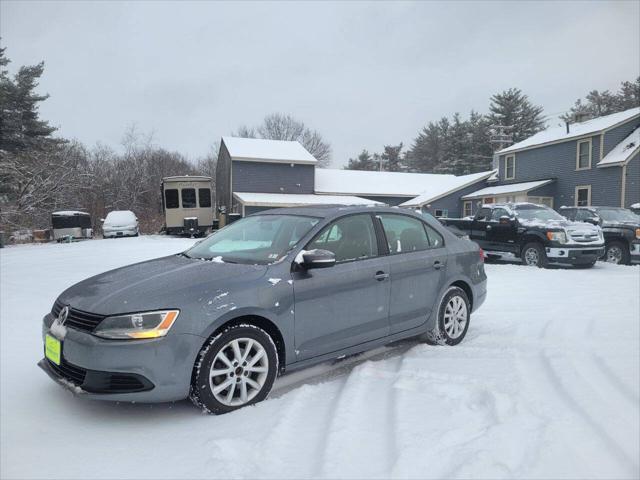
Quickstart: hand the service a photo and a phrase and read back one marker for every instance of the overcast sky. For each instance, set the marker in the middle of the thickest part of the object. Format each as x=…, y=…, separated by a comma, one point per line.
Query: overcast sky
x=363, y=74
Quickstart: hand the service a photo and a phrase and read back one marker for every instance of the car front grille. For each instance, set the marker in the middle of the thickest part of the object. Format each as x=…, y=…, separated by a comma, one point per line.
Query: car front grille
x=72, y=373
x=584, y=237
x=94, y=381
x=78, y=319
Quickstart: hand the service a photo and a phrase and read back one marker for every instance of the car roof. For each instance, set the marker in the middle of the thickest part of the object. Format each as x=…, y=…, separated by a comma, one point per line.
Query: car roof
x=332, y=211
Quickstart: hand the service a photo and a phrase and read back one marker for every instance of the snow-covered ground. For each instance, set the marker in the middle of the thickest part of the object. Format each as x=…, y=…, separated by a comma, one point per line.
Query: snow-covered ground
x=544, y=385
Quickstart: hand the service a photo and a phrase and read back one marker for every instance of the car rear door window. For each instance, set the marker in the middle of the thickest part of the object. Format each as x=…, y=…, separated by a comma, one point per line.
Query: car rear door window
x=349, y=238
x=188, y=198
x=171, y=198
x=204, y=197
x=404, y=233
x=435, y=239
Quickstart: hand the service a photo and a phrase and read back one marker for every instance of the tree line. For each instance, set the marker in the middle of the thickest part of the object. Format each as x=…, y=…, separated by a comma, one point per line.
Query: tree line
x=41, y=172
x=461, y=146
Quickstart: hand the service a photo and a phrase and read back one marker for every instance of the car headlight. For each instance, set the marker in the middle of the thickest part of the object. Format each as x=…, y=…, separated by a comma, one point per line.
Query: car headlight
x=638, y=233
x=137, y=325
x=559, y=237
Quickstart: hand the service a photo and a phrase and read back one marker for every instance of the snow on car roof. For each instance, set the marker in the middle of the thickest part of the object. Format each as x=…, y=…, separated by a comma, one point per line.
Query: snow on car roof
x=555, y=134
x=361, y=182
x=507, y=189
x=623, y=151
x=120, y=216
x=446, y=186
x=68, y=213
x=257, y=149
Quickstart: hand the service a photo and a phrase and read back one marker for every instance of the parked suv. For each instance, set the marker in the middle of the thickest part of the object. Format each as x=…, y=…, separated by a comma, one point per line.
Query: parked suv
x=535, y=234
x=621, y=228
x=276, y=291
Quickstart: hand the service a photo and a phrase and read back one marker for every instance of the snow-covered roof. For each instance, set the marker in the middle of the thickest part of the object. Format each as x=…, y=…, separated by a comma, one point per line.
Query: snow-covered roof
x=556, y=134
x=68, y=213
x=446, y=186
x=507, y=189
x=623, y=151
x=359, y=182
x=277, y=151
x=251, y=199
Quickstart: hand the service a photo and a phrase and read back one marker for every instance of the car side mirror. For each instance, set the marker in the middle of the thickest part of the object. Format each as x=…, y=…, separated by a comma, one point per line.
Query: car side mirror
x=318, y=259
x=594, y=221
x=505, y=220
x=102, y=220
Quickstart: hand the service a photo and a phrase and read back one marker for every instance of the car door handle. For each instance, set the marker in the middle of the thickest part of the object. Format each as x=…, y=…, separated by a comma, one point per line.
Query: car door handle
x=438, y=265
x=380, y=276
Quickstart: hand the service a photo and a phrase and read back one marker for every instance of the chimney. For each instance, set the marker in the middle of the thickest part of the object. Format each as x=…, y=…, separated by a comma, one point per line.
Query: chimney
x=567, y=125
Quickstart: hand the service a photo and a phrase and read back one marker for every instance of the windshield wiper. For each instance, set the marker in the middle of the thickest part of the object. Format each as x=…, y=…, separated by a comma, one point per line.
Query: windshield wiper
x=184, y=254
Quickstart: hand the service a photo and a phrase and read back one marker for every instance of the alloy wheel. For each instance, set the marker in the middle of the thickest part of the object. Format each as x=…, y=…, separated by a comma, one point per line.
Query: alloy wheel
x=531, y=257
x=455, y=317
x=238, y=372
x=614, y=254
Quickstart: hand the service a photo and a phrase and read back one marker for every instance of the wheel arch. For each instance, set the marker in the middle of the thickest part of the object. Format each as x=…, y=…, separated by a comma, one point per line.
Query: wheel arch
x=466, y=288
x=261, y=322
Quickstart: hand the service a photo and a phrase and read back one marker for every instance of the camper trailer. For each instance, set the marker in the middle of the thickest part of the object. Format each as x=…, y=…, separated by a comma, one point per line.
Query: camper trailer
x=71, y=225
x=186, y=202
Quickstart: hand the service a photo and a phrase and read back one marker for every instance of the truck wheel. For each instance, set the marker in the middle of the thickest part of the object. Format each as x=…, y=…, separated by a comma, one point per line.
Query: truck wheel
x=533, y=255
x=454, y=314
x=234, y=369
x=617, y=253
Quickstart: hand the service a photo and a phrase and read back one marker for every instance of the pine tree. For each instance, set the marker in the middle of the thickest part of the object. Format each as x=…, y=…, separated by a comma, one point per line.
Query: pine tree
x=392, y=158
x=364, y=161
x=599, y=103
x=513, y=108
x=20, y=125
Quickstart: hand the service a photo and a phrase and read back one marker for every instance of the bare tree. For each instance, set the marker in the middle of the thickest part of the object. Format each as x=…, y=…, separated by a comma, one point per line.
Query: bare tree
x=278, y=126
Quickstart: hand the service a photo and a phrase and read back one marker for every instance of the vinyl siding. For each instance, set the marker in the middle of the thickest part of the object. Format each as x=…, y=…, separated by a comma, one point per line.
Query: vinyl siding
x=223, y=178
x=616, y=135
x=558, y=161
x=632, y=191
x=263, y=177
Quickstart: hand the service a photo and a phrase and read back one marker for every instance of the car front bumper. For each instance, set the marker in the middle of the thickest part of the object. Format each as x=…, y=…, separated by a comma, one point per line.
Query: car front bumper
x=573, y=255
x=157, y=370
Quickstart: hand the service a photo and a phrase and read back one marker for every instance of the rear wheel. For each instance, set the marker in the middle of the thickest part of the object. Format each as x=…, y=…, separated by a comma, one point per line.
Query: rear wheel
x=234, y=369
x=453, y=319
x=617, y=253
x=533, y=255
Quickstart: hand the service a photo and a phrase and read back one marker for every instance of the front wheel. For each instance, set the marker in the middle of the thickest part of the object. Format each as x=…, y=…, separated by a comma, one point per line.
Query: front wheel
x=617, y=253
x=453, y=319
x=533, y=255
x=235, y=368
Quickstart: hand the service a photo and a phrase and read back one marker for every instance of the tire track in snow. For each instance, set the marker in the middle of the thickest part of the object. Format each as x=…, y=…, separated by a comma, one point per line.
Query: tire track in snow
x=612, y=446
x=615, y=380
x=361, y=417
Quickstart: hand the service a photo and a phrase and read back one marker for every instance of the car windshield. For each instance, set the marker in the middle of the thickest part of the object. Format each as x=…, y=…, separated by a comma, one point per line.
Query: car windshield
x=258, y=239
x=538, y=213
x=618, y=215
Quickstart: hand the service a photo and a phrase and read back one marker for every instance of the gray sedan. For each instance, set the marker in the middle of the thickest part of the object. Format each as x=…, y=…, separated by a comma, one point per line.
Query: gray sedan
x=274, y=292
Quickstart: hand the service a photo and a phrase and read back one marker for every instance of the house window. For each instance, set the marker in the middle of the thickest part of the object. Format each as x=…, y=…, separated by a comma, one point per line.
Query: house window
x=441, y=213
x=509, y=167
x=583, y=155
x=467, y=209
x=583, y=196
x=486, y=200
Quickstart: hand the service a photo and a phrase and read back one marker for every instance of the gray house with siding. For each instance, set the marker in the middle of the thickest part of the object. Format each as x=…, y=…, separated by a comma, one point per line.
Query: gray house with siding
x=596, y=162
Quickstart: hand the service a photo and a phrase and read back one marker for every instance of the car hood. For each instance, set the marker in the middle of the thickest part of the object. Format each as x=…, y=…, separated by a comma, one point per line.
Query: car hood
x=628, y=225
x=165, y=282
x=564, y=224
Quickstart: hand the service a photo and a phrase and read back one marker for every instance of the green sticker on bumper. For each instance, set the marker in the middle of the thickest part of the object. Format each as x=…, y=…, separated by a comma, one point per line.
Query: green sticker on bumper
x=52, y=349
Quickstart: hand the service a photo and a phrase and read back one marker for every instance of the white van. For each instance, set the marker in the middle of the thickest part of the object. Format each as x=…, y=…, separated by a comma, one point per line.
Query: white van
x=120, y=223
x=187, y=206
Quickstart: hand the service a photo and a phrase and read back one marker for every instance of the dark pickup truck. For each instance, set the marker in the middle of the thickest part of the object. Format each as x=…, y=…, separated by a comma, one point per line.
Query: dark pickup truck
x=621, y=229
x=535, y=234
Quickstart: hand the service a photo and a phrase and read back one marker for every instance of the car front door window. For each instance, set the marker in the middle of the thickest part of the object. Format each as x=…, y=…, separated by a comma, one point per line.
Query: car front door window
x=350, y=238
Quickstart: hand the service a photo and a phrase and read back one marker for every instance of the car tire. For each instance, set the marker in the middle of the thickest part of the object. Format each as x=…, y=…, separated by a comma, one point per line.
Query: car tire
x=227, y=377
x=454, y=306
x=617, y=253
x=533, y=255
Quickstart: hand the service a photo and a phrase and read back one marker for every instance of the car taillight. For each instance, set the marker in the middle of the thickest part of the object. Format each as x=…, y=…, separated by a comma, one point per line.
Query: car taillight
x=481, y=255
